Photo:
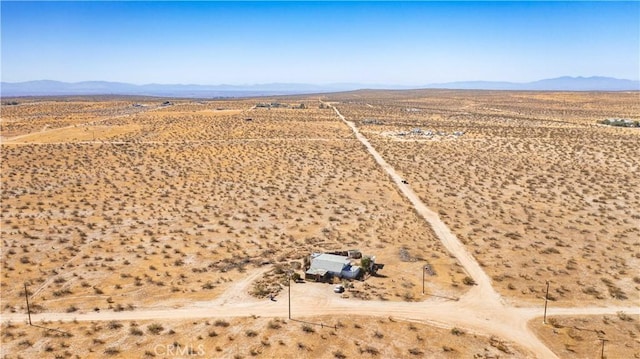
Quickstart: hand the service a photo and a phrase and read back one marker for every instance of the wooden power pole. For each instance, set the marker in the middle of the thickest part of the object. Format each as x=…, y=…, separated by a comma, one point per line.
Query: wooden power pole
x=546, y=298
x=289, y=295
x=602, y=351
x=26, y=296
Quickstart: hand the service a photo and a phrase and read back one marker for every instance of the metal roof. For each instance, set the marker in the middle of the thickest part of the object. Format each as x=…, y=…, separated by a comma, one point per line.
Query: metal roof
x=314, y=271
x=330, y=262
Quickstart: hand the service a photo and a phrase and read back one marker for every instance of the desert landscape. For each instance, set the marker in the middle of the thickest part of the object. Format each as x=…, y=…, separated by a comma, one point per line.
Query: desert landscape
x=161, y=227
x=526, y=173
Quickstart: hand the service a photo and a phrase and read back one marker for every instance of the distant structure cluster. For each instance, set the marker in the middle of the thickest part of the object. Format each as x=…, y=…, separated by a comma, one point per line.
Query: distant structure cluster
x=371, y=121
x=620, y=122
x=279, y=105
x=418, y=133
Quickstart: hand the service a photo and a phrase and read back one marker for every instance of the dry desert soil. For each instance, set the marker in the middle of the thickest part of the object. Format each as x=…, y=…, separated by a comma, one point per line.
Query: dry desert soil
x=147, y=227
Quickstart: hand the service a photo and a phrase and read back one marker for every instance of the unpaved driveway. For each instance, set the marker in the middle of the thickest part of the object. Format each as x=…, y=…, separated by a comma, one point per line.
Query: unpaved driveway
x=483, y=291
x=314, y=299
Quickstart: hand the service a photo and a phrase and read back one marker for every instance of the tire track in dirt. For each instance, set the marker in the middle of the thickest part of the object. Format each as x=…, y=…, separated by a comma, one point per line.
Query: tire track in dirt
x=481, y=299
x=483, y=288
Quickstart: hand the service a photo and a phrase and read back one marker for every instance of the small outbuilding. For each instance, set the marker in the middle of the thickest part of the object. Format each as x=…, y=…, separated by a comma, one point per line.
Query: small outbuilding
x=325, y=266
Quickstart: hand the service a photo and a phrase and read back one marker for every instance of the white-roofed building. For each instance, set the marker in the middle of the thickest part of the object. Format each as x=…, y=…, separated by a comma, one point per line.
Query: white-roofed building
x=325, y=266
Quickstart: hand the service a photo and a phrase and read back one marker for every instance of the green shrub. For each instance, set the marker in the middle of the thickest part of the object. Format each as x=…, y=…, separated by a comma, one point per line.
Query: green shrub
x=155, y=328
x=468, y=281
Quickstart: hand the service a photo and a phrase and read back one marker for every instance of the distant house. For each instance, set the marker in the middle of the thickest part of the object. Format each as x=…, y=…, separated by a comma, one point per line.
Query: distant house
x=325, y=266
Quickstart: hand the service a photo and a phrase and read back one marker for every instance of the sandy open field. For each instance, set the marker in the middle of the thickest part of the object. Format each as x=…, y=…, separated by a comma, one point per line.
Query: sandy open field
x=533, y=186
x=184, y=202
x=346, y=337
x=114, y=206
x=581, y=337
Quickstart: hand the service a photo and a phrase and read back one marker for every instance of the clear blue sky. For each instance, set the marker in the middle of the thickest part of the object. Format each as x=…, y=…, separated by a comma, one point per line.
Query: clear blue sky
x=365, y=42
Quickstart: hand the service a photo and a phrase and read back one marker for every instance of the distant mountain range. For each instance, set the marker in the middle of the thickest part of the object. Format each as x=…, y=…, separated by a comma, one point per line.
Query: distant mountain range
x=566, y=83
x=56, y=88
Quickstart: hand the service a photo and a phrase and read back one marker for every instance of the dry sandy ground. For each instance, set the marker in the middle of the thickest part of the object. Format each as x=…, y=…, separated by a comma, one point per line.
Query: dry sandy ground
x=581, y=336
x=339, y=337
x=532, y=174
x=185, y=201
x=169, y=206
x=42, y=115
x=311, y=301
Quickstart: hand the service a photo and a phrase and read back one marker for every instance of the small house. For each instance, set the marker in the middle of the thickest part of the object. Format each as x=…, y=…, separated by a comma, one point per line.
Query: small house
x=325, y=266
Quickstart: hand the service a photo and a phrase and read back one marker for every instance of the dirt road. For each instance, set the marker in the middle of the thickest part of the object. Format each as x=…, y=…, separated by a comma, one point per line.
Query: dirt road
x=483, y=291
x=312, y=299
x=185, y=142
x=17, y=139
x=482, y=308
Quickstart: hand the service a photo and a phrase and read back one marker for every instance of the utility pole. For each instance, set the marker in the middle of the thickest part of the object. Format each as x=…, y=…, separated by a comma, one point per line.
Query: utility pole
x=602, y=352
x=26, y=296
x=546, y=297
x=289, y=294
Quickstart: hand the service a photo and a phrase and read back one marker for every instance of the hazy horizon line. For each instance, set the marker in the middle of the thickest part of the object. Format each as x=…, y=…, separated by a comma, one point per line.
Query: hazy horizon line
x=319, y=83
